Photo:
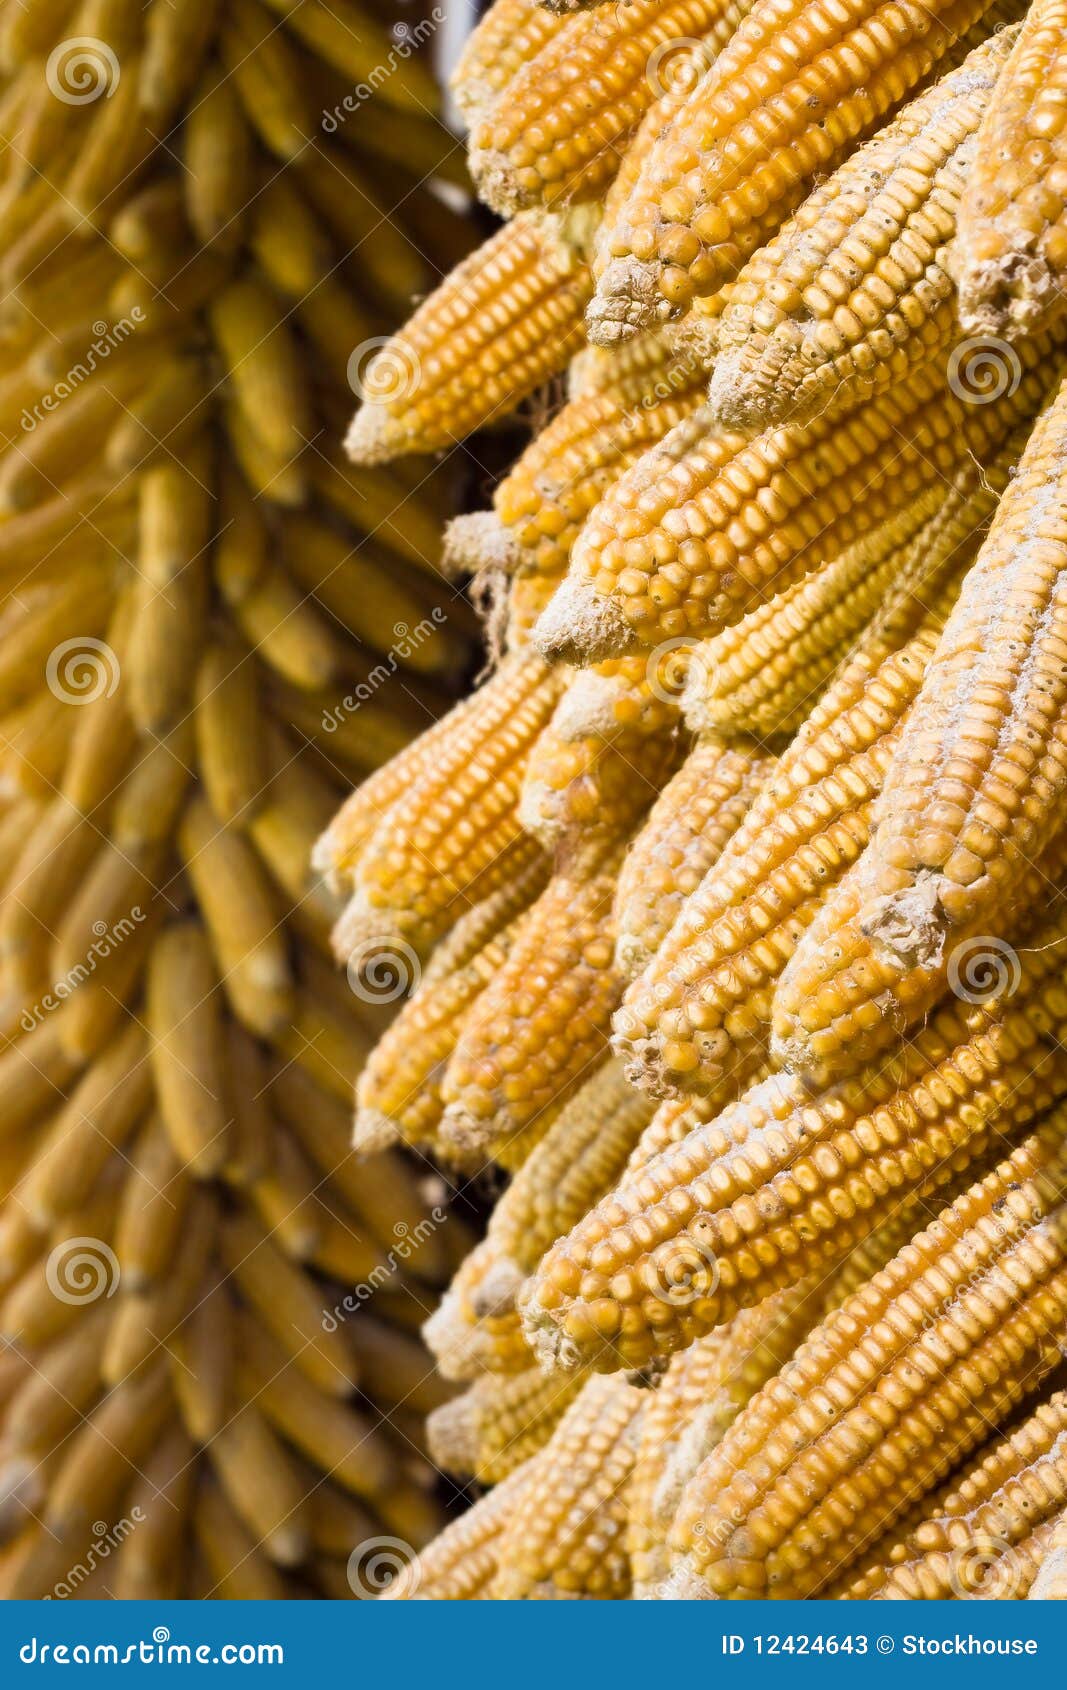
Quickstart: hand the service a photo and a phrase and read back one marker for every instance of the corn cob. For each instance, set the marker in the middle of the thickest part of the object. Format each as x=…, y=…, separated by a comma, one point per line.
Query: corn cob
x=571, y=464
x=542, y=1023
x=660, y=1261
x=558, y=129
x=689, y=826
x=955, y=1331
x=585, y=789
x=497, y=1424
x=509, y=36
x=399, y=1090
x=970, y=801
x=973, y=1533
x=706, y=525
x=784, y=99
x=452, y=836
x=508, y=318
x=1009, y=255
x=564, y=1537
x=700, y=1013
x=700, y=1396
x=854, y=291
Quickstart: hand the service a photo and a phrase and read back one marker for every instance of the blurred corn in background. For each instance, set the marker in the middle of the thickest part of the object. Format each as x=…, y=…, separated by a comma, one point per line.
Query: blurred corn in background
x=211, y=1380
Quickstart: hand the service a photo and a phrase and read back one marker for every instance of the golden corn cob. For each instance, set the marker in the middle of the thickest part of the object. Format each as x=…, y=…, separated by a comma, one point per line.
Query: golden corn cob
x=558, y=129
x=701, y=1009
x=690, y=824
x=541, y=1025
x=970, y=801
x=509, y=36
x=720, y=1220
x=1010, y=254
x=891, y=1390
x=399, y=1090
x=564, y=1537
x=570, y=464
x=971, y=1532
x=854, y=291
x=700, y=1396
x=452, y=836
x=793, y=88
x=497, y=1424
x=708, y=524
x=508, y=318
x=582, y=791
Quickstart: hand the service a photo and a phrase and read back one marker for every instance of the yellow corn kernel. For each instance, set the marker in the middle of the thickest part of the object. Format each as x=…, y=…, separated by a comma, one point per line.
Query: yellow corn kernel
x=688, y=827
x=972, y=1537
x=510, y=34
x=498, y=1423
x=565, y=1535
x=700, y=1396
x=701, y=1009
x=444, y=843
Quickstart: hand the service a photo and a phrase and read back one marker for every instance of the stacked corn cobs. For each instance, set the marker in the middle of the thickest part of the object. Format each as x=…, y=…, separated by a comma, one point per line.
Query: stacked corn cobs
x=211, y=628
x=738, y=889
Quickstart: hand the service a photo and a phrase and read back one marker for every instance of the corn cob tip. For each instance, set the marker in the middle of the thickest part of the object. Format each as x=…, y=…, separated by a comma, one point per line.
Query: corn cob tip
x=368, y=439
x=497, y=1290
x=373, y=1132
x=586, y=710
x=496, y=182
x=735, y=403
x=632, y=955
x=361, y=930
x=552, y=1349
x=475, y=542
x=627, y=303
x=452, y=1436
x=1008, y=296
x=451, y=1340
x=579, y=626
